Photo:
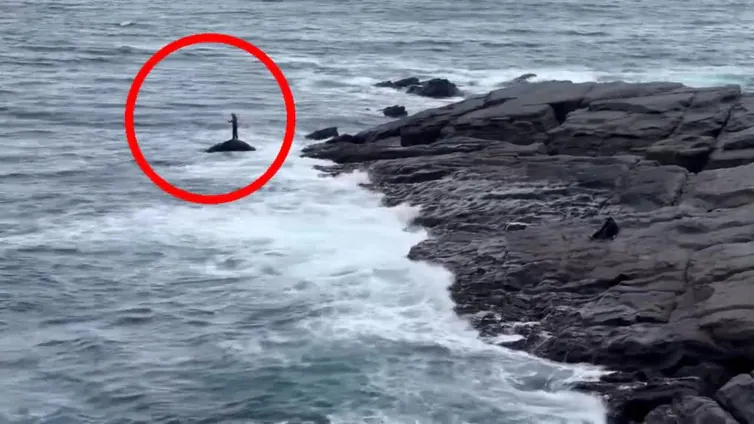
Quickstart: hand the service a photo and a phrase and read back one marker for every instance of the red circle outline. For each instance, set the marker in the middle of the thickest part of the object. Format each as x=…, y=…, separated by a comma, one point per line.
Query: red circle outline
x=290, y=125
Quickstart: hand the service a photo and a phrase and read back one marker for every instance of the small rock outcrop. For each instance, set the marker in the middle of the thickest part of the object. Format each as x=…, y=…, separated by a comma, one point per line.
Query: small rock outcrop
x=395, y=111
x=668, y=305
x=437, y=88
x=608, y=231
x=232, y=145
x=323, y=134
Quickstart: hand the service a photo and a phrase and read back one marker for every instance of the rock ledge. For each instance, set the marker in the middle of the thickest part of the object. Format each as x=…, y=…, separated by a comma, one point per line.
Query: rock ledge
x=512, y=183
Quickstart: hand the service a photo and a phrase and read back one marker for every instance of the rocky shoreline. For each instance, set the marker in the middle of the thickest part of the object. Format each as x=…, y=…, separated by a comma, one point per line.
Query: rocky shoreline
x=513, y=183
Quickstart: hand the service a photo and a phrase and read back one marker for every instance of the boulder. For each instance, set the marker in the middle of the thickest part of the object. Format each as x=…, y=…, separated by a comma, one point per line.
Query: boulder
x=437, y=88
x=395, y=111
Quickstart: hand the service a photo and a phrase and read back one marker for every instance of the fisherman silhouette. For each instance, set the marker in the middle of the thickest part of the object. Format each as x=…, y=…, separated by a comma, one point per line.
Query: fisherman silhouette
x=234, y=122
x=234, y=144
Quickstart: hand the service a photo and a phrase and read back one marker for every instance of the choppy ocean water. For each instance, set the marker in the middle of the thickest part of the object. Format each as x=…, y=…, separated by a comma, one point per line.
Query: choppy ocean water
x=121, y=304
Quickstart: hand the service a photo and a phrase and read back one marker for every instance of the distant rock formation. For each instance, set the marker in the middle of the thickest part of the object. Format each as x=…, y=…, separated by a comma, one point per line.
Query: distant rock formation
x=668, y=305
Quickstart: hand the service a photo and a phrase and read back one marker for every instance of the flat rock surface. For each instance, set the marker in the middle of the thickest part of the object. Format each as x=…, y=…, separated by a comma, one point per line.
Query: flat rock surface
x=513, y=183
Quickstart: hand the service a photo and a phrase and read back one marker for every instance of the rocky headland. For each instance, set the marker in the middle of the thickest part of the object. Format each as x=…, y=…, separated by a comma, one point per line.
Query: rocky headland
x=512, y=185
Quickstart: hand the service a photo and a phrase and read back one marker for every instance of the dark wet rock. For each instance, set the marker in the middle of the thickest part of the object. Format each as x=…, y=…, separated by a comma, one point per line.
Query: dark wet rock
x=709, y=111
x=323, y=134
x=233, y=145
x=513, y=121
x=511, y=184
x=608, y=231
x=623, y=90
x=437, y=88
x=427, y=121
x=614, y=126
x=641, y=401
x=345, y=138
x=690, y=152
x=690, y=410
x=710, y=375
x=737, y=396
x=395, y=111
x=663, y=414
x=401, y=83
x=391, y=148
x=633, y=401
x=736, y=142
x=720, y=188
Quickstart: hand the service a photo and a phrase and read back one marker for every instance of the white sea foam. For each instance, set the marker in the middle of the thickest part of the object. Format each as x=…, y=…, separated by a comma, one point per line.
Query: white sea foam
x=325, y=243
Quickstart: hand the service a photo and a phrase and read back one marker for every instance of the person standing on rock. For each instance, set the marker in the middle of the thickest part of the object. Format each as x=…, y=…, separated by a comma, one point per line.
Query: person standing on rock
x=234, y=144
x=234, y=122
